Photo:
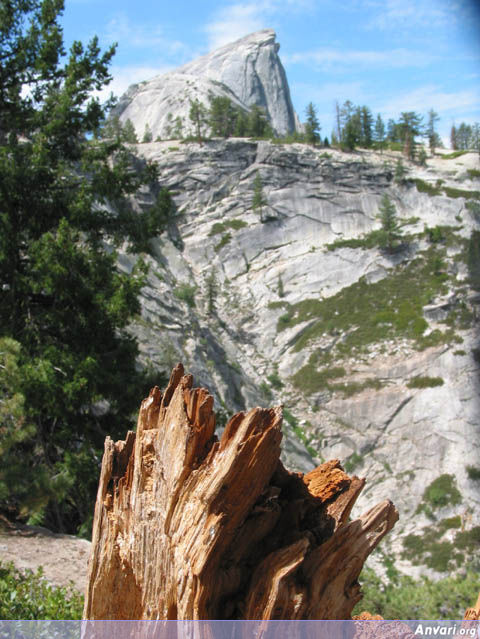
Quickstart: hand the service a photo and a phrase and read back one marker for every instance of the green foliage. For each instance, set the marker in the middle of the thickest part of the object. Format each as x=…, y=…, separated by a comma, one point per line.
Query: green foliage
x=405, y=598
x=425, y=382
x=456, y=193
x=266, y=390
x=186, y=293
x=147, y=135
x=226, y=237
x=452, y=156
x=312, y=125
x=222, y=227
x=63, y=300
x=275, y=381
x=434, y=139
x=473, y=472
x=473, y=260
x=400, y=172
x=199, y=117
x=390, y=234
x=212, y=291
x=473, y=173
x=442, y=492
x=370, y=240
x=309, y=379
x=426, y=187
x=29, y=596
x=367, y=313
x=221, y=116
x=259, y=200
x=422, y=157
x=353, y=462
x=298, y=430
x=280, y=288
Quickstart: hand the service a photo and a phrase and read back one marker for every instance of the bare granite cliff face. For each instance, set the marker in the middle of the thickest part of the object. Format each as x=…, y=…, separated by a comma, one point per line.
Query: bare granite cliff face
x=248, y=72
x=375, y=356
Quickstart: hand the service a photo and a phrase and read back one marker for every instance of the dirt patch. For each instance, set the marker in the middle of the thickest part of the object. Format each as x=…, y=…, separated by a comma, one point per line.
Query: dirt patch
x=63, y=557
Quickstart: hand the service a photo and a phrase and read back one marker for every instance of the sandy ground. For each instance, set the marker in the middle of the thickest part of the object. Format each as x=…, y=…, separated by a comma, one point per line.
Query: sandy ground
x=63, y=557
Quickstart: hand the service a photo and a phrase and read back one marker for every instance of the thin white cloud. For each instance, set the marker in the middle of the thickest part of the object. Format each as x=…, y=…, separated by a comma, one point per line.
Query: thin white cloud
x=340, y=59
x=233, y=22
x=237, y=20
x=447, y=104
x=120, y=29
x=410, y=14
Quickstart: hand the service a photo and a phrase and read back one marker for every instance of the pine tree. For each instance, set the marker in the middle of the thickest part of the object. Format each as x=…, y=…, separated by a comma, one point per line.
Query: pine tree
x=221, y=116
x=410, y=125
x=128, y=132
x=453, y=138
x=259, y=200
x=390, y=233
x=400, y=172
x=212, y=292
x=257, y=123
x=63, y=301
x=432, y=135
x=379, y=132
x=312, y=125
x=367, y=124
x=198, y=117
x=147, y=135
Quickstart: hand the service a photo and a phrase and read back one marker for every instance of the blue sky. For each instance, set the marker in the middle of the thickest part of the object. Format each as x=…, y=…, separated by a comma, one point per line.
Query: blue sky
x=392, y=55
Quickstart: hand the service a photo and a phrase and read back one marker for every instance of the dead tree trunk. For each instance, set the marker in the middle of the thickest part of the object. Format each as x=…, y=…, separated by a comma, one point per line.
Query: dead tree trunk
x=188, y=527
x=473, y=614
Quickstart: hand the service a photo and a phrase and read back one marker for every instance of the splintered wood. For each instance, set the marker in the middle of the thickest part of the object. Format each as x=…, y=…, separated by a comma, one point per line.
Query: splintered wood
x=189, y=527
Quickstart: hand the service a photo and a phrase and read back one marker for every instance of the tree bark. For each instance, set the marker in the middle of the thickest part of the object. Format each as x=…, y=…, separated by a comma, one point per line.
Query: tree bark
x=473, y=614
x=188, y=527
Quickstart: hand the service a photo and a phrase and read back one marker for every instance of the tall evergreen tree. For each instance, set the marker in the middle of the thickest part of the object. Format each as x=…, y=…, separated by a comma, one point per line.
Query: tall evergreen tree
x=432, y=135
x=453, y=138
x=221, y=116
x=198, y=117
x=379, y=132
x=64, y=307
x=410, y=125
x=259, y=200
x=390, y=232
x=367, y=126
x=312, y=125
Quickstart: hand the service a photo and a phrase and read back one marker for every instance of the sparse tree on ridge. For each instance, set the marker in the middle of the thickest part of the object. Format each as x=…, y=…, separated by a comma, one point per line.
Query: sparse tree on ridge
x=410, y=125
x=198, y=117
x=432, y=136
x=312, y=125
x=453, y=138
x=129, y=134
x=379, y=132
x=147, y=135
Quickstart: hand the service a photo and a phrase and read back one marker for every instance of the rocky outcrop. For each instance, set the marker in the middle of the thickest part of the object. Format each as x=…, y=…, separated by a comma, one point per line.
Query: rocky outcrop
x=248, y=72
x=242, y=301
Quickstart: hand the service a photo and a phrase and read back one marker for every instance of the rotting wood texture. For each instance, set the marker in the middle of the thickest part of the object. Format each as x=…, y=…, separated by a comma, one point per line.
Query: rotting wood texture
x=188, y=527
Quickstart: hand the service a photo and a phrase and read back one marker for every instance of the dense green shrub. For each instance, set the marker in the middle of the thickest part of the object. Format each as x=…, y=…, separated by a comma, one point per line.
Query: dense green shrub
x=186, y=293
x=425, y=382
x=29, y=596
x=442, y=492
x=473, y=472
x=405, y=598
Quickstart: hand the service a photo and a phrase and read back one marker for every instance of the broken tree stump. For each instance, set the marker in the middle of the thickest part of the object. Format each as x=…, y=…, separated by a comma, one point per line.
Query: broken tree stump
x=188, y=527
x=473, y=614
